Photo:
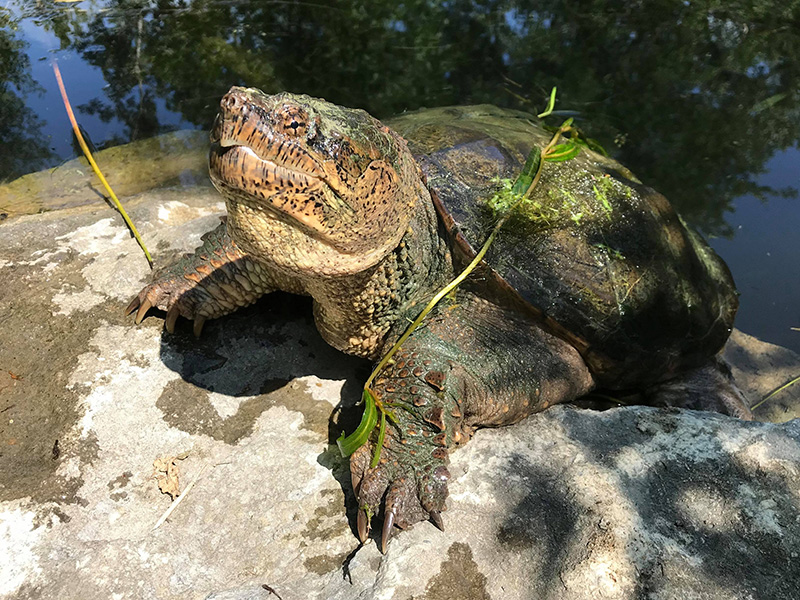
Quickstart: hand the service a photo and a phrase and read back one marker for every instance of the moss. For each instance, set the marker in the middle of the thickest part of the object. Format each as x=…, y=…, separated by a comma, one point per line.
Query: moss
x=530, y=216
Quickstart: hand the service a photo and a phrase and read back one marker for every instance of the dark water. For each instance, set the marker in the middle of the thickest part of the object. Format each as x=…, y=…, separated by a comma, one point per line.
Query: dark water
x=700, y=99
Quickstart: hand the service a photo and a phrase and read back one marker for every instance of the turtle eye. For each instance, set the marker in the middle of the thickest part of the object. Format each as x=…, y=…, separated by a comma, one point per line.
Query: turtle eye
x=295, y=121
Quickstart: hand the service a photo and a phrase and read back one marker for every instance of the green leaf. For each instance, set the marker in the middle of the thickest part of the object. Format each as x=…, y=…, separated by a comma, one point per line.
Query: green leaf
x=601, y=195
x=528, y=172
x=767, y=104
x=563, y=152
x=351, y=443
x=593, y=144
x=550, y=105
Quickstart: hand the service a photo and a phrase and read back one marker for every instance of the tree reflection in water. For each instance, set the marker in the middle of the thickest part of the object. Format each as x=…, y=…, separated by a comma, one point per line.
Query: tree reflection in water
x=694, y=97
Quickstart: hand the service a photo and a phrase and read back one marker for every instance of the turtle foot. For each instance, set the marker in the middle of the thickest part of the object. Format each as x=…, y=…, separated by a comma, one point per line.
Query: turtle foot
x=177, y=296
x=407, y=486
x=709, y=387
x=214, y=281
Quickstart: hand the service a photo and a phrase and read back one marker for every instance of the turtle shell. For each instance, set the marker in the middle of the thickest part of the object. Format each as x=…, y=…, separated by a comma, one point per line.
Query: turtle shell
x=596, y=257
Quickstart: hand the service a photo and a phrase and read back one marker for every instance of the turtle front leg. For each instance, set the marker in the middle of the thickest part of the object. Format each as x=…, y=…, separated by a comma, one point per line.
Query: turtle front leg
x=472, y=364
x=214, y=281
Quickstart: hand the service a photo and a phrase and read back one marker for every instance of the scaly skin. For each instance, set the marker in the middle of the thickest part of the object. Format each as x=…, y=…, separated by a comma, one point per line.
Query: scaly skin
x=328, y=202
x=214, y=281
x=474, y=364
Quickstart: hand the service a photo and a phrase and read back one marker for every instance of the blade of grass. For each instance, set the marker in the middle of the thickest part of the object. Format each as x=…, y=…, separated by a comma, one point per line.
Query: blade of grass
x=770, y=395
x=96, y=169
x=376, y=456
x=351, y=443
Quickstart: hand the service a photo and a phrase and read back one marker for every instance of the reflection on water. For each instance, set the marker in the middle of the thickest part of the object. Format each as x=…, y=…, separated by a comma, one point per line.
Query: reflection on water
x=764, y=255
x=695, y=98
x=22, y=141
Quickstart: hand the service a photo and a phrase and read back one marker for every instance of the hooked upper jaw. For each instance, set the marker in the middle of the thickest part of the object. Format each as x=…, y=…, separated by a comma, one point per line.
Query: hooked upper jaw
x=301, y=172
x=278, y=129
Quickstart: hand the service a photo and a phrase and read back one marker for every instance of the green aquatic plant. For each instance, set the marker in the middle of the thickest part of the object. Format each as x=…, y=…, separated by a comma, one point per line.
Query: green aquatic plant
x=610, y=251
x=508, y=202
x=529, y=211
x=550, y=105
x=601, y=189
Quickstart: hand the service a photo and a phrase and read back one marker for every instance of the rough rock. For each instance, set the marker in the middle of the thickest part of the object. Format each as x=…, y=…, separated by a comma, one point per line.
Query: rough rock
x=763, y=370
x=628, y=503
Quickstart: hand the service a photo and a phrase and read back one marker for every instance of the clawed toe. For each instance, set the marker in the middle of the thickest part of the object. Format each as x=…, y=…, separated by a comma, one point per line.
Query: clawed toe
x=198, y=326
x=172, y=316
x=134, y=304
x=403, y=494
x=386, y=533
x=363, y=525
x=143, y=308
x=164, y=296
x=436, y=519
x=140, y=304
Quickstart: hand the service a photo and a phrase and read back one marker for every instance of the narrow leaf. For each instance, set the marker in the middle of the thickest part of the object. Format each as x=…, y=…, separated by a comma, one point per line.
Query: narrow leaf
x=528, y=172
x=593, y=144
x=87, y=152
x=767, y=103
x=351, y=443
x=376, y=456
x=563, y=152
x=550, y=105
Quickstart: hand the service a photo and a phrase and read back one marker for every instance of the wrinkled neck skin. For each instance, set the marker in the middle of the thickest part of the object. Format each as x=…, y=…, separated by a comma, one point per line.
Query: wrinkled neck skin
x=358, y=313
x=333, y=204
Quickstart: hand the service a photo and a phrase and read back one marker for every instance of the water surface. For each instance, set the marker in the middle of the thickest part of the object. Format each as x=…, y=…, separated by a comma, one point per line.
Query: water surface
x=701, y=100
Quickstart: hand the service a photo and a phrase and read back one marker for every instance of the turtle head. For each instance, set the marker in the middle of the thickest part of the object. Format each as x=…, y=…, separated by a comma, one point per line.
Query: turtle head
x=310, y=186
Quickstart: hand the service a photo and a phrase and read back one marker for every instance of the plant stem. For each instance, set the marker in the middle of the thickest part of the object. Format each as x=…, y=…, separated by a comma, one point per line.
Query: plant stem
x=770, y=395
x=96, y=169
x=471, y=267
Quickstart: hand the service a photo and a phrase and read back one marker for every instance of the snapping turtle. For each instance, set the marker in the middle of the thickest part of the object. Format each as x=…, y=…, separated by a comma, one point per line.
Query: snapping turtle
x=593, y=283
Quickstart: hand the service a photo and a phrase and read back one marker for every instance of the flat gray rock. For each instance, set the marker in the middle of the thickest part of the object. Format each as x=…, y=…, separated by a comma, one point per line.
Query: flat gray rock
x=628, y=503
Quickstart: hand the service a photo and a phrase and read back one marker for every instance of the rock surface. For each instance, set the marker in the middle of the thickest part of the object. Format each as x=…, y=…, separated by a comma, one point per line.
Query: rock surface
x=160, y=161
x=628, y=503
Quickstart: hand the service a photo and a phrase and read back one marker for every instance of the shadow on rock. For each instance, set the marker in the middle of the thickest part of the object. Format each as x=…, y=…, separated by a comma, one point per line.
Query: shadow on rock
x=245, y=363
x=262, y=356
x=672, y=502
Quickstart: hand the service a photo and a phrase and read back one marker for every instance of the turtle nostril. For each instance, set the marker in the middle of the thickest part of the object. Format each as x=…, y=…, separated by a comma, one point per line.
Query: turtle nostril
x=232, y=101
x=228, y=102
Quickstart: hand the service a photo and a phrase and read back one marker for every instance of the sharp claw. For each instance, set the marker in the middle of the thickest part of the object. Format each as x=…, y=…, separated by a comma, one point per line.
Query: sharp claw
x=363, y=525
x=143, y=311
x=172, y=315
x=388, y=524
x=132, y=306
x=198, y=326
x=436, y=519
